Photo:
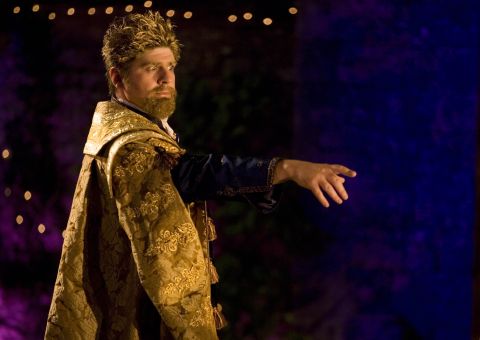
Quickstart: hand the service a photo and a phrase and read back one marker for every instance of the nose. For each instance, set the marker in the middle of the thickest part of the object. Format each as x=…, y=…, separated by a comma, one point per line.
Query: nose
x=163, y=76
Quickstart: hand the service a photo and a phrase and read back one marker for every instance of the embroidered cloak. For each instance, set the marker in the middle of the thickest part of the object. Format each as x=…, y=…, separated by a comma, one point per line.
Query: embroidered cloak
x=135, y=261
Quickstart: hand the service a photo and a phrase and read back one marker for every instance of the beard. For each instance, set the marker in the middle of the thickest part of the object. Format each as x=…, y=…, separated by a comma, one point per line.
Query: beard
x=161, y=108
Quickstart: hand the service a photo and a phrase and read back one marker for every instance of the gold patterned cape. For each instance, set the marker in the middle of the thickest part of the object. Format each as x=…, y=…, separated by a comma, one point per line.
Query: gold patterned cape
x=135, y=262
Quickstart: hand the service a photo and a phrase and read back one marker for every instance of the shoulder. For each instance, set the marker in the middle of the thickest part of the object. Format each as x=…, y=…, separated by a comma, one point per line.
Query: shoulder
x=141, y=146
x=145, y=152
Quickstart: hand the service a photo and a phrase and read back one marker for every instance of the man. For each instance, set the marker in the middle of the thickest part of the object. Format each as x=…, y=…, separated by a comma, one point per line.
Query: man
x=135, y=261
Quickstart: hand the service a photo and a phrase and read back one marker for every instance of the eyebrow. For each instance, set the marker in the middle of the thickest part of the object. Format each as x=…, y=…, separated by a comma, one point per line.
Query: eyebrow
x=146, y=63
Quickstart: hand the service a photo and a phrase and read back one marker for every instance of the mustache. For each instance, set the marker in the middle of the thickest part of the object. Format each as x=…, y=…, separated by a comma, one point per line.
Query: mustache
x=163, y=88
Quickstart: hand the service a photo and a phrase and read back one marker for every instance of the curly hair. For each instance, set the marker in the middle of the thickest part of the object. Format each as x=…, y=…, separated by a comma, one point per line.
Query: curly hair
x=131, y=35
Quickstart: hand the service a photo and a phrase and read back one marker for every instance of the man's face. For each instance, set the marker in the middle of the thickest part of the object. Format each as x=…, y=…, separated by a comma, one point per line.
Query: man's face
x=150, y=82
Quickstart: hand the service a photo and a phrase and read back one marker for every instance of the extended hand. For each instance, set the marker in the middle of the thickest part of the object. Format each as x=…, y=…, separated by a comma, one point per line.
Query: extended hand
x=316, y=177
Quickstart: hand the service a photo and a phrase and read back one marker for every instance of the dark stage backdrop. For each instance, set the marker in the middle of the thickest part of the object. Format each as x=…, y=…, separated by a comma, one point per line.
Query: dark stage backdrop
x=389, y=89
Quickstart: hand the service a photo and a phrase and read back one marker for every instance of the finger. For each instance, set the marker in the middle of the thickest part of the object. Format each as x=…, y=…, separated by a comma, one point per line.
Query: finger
x=340, y=169
x=320, y=196
x=339, y=188
x=328, y=188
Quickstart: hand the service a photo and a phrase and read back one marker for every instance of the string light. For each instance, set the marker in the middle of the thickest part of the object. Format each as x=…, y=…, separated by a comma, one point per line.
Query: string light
x=248, y=16
x=292, y=10
x=147, y=4
x=19, y=219
x=41, y=228
x=27, y=195
x=7, y=192
x=5, y=153
x=267, y=21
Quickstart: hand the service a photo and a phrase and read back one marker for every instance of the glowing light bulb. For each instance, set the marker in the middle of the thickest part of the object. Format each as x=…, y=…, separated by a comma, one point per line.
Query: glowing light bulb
x=267, y=21
x=35, y=8
x=247, y=16
x=147, y=4
x=109, y=10
x=41, y=228
x=170, y=13
x=5, y=153
x=51, y=16
x=232, y=18
x=27, y=195
x=16, y=10
x=91, y=11
x=187, y=15
x=71, y=11
x=292, y=10
x=128, y=8
x=19, y=219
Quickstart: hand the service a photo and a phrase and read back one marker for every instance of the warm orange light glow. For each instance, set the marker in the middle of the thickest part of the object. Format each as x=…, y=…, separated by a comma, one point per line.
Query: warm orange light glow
x=170, y=13
x=109, y=10
x=19, y=219
x=5, y=153
x=187, y=15
x=16, y=10
x=91, y=11
x=292, y=10
x=51, y=16
x=232, y=18
x=41, y=228
x=71, y=11
x=248, y=16
x=27, y=195
x=267, y=21
x=147, y=4
x=35, y=8
x=128, y=8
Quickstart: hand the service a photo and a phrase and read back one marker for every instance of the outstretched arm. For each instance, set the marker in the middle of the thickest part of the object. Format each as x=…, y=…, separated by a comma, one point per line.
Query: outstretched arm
x=319, y=178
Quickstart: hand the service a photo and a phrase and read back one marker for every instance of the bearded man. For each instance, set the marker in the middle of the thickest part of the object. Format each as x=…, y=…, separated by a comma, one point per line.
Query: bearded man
x=135, y=260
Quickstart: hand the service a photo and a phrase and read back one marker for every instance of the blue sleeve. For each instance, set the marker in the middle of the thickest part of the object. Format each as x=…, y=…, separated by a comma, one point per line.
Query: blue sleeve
x=212, y=176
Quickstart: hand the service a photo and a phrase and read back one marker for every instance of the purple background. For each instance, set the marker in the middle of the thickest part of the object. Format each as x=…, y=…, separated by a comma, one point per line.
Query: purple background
x=387, y=88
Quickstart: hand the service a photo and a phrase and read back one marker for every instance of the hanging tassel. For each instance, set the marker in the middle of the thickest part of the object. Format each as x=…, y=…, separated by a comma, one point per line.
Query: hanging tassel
x=212, y=233
x=220, y=320
x=213, y=273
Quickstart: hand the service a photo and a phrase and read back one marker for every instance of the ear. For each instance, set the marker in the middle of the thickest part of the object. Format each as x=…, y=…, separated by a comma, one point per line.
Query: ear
x=115, y=77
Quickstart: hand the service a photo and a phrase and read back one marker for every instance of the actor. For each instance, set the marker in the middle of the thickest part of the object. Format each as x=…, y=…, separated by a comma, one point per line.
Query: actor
x=135, y=261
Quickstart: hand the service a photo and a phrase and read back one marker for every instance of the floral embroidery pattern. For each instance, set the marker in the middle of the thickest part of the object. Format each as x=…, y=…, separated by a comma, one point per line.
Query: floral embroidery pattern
x=135, y=162
x=183, y=282
x=204, y=315
x=157, y=200
x=169, y=241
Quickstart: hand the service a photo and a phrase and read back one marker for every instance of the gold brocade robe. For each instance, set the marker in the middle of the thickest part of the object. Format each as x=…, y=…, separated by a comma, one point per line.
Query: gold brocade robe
x=135, y=261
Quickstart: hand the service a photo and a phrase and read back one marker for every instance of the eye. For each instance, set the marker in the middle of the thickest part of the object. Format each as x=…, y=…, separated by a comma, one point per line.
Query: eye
x=151, y=68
